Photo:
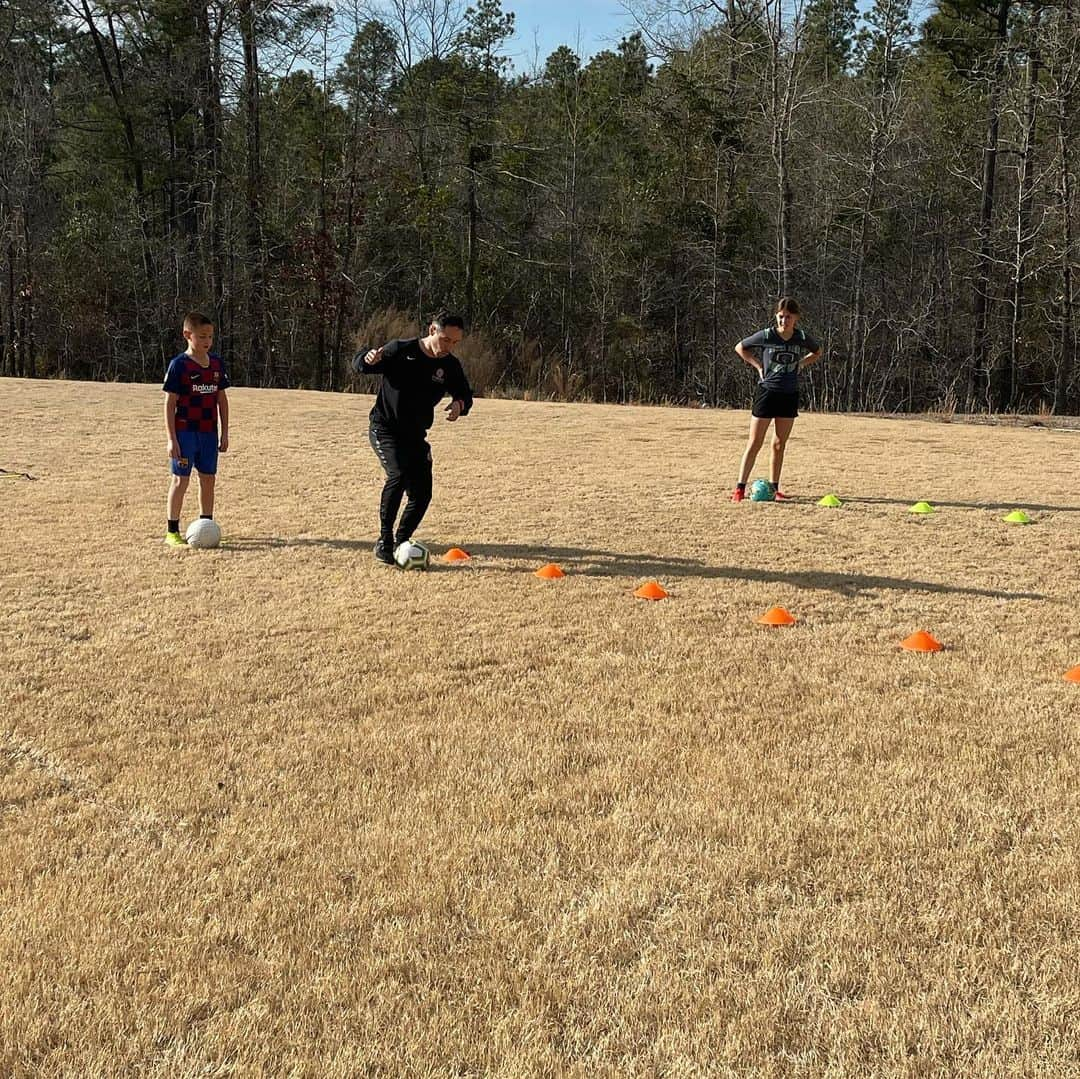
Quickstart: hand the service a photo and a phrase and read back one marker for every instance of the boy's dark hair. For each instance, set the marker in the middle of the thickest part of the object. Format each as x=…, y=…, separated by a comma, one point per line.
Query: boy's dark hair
x=443, y=319
x=194, y=320
x=789, y=305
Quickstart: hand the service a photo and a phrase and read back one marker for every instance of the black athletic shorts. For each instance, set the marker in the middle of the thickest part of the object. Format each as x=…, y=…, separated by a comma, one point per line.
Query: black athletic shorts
x=775, y=404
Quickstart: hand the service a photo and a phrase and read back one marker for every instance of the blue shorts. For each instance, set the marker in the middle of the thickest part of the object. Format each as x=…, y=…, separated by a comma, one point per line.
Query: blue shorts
x=198, y=449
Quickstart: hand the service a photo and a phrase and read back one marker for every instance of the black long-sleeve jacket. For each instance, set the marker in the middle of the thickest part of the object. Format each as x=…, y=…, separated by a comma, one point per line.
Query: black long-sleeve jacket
x=412, y=385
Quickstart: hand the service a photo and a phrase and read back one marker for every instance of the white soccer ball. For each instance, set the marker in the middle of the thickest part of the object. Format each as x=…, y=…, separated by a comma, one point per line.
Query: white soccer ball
x=410, y=555
x=203, y=533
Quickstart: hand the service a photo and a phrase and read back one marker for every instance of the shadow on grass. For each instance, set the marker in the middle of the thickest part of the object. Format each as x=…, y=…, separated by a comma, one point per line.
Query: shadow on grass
x=589, y=562
x=271, y=543
x=363, y=547
x=6, y=475
x=594, y=563
x=857, y=500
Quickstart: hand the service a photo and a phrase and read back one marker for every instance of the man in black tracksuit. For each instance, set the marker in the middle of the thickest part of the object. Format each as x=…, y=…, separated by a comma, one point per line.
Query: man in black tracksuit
x=416, y=374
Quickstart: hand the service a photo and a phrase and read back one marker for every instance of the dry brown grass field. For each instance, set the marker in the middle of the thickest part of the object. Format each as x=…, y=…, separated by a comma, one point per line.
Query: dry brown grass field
x=274, y=810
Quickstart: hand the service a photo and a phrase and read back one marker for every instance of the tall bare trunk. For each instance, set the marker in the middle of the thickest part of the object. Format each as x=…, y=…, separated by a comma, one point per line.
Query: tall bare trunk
x=27, y=336
x=10, y=363
x=1067, y=333
x=213, y=180
x=783, y=89
x=258, y=353
x=980, y=306
x=569, y=303
x=1007, y=388
x=883, y=118
x=112, y=72
x=1066, y=327
x=472, y=216
x=352, y=153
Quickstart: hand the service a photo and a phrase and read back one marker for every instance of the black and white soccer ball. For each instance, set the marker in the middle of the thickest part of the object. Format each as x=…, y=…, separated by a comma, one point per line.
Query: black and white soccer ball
x=411, y=555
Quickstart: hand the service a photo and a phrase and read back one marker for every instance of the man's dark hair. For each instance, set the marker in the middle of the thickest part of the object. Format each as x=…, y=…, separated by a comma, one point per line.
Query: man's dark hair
x=444, y=319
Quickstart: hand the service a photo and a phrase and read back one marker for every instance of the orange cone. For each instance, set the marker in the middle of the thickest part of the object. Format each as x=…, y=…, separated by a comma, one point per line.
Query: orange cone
x=1073, y=675
x=456, y=554
x=777, y=616
x=650, y=590
x=921, y=642
x=550, y=572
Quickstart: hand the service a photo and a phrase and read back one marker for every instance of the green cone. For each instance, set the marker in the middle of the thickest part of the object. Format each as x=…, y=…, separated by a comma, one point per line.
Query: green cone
x=831, y=501
x=921, y=507
x=1017, y=517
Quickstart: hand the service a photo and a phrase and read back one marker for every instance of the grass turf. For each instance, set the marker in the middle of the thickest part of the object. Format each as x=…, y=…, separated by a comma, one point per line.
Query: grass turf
x=275, y=809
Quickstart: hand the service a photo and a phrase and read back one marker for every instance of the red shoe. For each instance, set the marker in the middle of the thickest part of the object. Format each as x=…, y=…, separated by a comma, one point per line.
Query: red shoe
x=738, y=494
x=781, y=497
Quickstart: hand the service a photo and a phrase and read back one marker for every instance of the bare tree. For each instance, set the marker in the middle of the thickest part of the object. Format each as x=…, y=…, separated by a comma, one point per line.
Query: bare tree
x=883, y=70
x=210, y=23
x=980, y=306
x=1005, y=380
x=783, y=21
x=105, y=29
x=259, y=354
x=1062, y=43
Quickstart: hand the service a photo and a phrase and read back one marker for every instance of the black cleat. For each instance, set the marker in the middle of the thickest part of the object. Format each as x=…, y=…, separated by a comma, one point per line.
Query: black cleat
x=384, y=554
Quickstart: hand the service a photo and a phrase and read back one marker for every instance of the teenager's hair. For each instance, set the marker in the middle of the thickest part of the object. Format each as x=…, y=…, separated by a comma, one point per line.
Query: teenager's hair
x=789, y=305
x=443, y=319
x=194, y=320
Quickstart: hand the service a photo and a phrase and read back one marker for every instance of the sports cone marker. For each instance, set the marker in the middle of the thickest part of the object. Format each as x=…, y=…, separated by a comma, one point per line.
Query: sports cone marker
x=1073, y=675
x=921, y=642
x=830, y=501
x=456, y=554
x=650, y=590
x=550, y=572
x=777, y=616
x=921, y=507
x=1017, y=517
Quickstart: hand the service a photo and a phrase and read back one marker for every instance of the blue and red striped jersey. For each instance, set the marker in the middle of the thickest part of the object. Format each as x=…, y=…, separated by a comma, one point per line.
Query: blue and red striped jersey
x=196, y=388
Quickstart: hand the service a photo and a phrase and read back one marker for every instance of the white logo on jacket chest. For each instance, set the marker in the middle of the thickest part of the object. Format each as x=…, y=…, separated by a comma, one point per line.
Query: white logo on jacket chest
x=439, y=376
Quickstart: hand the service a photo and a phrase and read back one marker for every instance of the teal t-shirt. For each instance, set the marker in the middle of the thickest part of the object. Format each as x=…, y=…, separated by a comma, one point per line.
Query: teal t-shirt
x=780, y=359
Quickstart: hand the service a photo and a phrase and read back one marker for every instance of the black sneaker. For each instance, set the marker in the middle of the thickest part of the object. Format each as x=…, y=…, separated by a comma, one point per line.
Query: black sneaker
x=384, y=554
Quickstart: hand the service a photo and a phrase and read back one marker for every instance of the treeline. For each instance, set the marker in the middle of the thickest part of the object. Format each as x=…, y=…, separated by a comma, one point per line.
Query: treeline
x=313, y=175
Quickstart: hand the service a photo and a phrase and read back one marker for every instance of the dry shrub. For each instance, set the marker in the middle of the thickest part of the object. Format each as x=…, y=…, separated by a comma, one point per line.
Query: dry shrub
x=479, y=355
x=548, y=376
x=386, y=325
x=562, y=383
x=521, y=360
x=948, y=407
x=535, y=364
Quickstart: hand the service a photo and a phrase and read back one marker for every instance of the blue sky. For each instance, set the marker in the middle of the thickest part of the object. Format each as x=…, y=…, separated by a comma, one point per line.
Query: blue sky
x=587, y=26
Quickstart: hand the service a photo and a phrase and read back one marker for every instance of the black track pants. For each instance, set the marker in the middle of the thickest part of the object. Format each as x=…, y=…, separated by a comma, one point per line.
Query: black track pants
x=407, y=464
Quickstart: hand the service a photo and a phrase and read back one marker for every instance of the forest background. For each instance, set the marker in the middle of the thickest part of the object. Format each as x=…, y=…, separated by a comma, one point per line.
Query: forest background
x=313, y=176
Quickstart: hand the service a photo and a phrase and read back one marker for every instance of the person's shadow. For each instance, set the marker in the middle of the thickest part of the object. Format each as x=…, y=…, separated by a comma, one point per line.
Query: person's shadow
x=856, y=500
x=591, y=562
x=271, y=543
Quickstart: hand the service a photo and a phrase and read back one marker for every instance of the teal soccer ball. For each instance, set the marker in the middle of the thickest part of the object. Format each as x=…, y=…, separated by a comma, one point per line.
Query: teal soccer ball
x=762, y=491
